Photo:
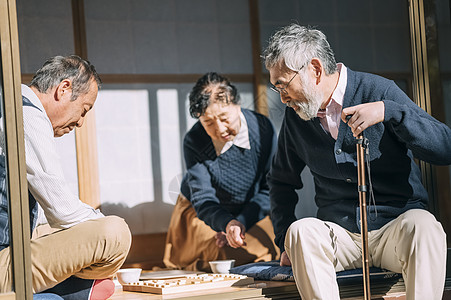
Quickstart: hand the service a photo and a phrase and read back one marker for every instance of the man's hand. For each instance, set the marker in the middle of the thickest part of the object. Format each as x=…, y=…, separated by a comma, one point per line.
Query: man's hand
x=221, y=239
x=284, y=260
x=364, y=116
x=235, y=234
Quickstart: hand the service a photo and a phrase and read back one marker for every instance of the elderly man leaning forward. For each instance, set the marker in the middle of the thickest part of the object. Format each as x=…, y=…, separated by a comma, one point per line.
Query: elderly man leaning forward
x=90, y=246
x=403, y=236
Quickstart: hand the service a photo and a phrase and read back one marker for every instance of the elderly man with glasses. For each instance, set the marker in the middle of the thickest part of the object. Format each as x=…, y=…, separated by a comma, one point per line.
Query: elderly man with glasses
x=403, y=236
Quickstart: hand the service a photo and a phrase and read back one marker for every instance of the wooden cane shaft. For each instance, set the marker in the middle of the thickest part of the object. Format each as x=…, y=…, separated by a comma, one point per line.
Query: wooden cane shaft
x=363, y=217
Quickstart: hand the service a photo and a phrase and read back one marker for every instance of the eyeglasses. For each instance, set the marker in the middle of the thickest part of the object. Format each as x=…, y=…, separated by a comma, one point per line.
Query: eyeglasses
x=283, y=91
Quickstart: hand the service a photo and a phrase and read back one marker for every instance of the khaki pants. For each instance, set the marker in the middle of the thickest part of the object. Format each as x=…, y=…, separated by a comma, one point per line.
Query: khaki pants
x=191, y=244
x=413, y=244
x=93, y=249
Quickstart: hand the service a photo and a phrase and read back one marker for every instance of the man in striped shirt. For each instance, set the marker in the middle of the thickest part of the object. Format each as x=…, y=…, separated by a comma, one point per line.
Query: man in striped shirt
x=91, y=246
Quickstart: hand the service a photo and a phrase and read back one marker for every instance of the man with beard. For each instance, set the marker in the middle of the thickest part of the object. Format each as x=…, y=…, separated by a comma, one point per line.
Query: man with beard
x=403, y=236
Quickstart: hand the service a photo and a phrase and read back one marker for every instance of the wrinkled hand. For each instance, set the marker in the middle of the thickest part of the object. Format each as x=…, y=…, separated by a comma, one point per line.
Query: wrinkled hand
x=235, y=234
x=284, y=260
x=364, y=116
x=221, y=239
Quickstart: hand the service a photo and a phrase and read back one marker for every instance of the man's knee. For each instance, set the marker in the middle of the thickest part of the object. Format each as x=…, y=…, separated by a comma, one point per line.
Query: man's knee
x=303, y=229
x=419, y=219
x=419, y=224
x=114, y=230
x=305, y=224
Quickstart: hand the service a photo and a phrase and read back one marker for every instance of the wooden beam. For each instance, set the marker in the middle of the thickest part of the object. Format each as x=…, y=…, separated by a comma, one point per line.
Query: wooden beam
x=191, y=78
x=20, y=252
x=156, y=78
x=260, y=97
x=79, y=26
x=442, y=190
x=427, y=90
x=87, y=161
x=168, y=78
x=85, y=136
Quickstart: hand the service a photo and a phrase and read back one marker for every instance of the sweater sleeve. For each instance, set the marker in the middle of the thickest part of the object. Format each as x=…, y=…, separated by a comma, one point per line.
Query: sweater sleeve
x=202, y=194
x=258, y=207
x=284, y=179
x=429, y=139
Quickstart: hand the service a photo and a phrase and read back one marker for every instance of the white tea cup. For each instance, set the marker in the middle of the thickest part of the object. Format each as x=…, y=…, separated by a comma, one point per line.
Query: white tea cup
x=128, y=275
x=221, y=266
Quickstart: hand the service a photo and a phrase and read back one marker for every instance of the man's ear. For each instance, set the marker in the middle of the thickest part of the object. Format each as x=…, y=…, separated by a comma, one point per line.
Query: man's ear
x=317, y=69
x=64, y=89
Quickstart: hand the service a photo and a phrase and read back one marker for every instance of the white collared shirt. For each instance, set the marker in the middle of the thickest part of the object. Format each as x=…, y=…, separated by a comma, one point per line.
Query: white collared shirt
x=331, y=122
x=45, y=176
x=241, y=139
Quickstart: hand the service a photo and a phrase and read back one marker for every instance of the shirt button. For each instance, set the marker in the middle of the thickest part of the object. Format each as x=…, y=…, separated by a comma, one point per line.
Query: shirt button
x=348, y=180
x=338, y=151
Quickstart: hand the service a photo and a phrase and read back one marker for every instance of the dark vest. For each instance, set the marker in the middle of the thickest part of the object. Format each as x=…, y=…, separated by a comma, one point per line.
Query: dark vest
x=4, y=217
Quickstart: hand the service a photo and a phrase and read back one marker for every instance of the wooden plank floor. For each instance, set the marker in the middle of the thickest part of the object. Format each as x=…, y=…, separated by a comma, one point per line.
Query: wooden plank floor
x=273, y=290
x=277, y=290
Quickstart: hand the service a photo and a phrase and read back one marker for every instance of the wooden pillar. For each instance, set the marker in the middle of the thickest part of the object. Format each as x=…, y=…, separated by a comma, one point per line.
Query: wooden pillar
x=17, y=187
x=85, y=136
x=427, y=91
x=260, y=97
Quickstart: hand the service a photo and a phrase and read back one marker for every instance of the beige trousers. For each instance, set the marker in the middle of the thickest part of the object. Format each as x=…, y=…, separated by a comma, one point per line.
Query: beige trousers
x=93, y=249
x=191, y=244
x=413, y=244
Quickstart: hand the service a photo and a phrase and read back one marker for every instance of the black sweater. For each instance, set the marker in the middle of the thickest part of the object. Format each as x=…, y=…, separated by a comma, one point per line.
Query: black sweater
x=233, y=184
x=407, y=131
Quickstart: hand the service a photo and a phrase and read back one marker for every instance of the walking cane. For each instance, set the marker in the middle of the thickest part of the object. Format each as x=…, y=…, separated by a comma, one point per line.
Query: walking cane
x=362, y=145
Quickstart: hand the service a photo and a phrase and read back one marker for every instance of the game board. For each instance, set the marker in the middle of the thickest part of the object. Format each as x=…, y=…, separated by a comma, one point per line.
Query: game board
x=189, y=283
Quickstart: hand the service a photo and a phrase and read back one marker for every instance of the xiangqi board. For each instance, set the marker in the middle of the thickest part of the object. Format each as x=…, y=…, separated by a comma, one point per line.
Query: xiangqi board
x=189, y=283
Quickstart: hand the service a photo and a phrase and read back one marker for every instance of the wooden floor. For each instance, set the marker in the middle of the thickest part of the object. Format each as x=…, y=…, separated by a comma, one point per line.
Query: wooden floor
x=273, y=290
x=277, y=290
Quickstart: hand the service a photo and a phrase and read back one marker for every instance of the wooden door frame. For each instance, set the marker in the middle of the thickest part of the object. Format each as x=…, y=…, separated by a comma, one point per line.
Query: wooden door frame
x=15, y=159
x=427, y=91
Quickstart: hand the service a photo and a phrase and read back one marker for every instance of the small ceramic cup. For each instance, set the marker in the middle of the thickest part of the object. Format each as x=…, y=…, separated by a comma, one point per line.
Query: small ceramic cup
x=221, y=266
x=129, y=275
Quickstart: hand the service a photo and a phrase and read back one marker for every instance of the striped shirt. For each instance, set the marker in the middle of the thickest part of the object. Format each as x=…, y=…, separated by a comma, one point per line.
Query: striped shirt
x=45, y=177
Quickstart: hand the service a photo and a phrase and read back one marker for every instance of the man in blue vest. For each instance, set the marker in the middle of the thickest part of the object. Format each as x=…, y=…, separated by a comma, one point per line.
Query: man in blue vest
x=319, y=93
x=90, y=246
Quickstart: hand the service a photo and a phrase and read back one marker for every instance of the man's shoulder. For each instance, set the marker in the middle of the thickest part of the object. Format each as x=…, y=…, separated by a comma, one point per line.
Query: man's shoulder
x=366, y=78
x=27, y=103
x=362, y=85
x=31, y=100
x=35, y=120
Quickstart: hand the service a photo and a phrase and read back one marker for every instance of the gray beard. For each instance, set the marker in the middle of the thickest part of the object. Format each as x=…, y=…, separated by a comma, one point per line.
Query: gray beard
x=307, y=110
